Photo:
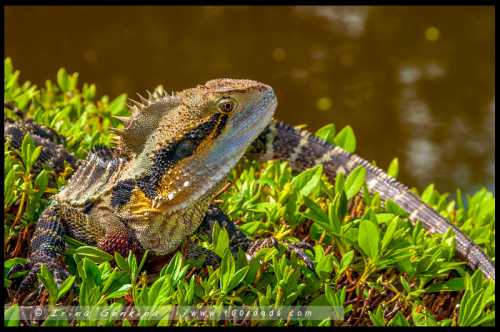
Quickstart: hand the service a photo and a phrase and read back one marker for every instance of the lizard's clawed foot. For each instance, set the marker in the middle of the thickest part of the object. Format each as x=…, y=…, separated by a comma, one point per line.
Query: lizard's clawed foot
x=195, y=252
x=30, y=280
x=297, y=248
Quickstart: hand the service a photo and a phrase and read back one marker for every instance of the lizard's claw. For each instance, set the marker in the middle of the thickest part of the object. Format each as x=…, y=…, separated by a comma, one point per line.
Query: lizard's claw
x=193, y=251
x=270, y=242
x=297, y=248
x=30, y=280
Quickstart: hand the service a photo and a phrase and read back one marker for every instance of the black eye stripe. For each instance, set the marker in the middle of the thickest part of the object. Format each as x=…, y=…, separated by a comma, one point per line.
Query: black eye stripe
x=165, y=159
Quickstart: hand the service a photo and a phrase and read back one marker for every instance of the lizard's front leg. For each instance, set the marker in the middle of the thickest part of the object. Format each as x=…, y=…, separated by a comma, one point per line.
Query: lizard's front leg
x=237, y=239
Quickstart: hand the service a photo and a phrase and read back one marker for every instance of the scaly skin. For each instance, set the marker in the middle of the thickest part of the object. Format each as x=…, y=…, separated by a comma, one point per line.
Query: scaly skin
x=303, y=150
x=155, y=188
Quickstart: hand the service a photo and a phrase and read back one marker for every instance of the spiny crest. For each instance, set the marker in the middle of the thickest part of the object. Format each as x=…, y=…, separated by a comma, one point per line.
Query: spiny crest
x=144, y=118
x=159, y=95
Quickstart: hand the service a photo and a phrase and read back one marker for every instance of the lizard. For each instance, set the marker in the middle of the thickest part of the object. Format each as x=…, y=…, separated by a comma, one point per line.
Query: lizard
x=155, y=188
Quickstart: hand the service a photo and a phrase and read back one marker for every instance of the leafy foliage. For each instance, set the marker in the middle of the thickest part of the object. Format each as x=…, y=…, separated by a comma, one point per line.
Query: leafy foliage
x=369, y=259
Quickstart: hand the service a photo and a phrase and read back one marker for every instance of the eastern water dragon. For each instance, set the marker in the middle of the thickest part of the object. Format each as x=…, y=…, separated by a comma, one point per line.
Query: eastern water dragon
x=172, y=156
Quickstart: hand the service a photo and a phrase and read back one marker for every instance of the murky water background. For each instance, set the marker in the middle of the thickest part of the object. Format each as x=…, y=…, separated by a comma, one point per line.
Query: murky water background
x=413, y=82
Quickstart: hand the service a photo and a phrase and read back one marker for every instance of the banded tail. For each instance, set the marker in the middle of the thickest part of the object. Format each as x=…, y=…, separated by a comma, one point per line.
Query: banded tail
x=303, y=150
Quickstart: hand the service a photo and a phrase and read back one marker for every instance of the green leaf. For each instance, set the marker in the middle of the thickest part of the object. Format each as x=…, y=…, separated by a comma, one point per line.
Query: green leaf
x=91, y=271
x=120, y=292
x=327, y=133
x=132, y=263
x=317, y=215
x=48, y=281
x=63, y=80
x=73, y=81
x=389, y=233
x=250, y=227
x=325, y=266
x=309, y=180
x=143, y=261
x=393, y=169
x=460, y=203
x=355, y=181
x=398, y=320
x=121, y=262
x=384, y=218
x=377, y=317
x=347, y=259
x=221, y=239
x=8, y=189
x=428, y=194
x=394, y=207
x=339, y=182
x=12, y=316
x=89, y=91
x=42, y=180
x=423, y=319
x=26, y=147
x=340, y=203
x=405, y=284
x=227, y=270
x=95, y=254
x=368, y=238
x=237, y=278
x=335, y=299
x=8, y=68
x=334, y=220
x=9, y=264
x=346, y=139
x=452, y=285
x=65, y=287
x=253, y=267
x=174, y=268
x=35, y=154
x=119, y=105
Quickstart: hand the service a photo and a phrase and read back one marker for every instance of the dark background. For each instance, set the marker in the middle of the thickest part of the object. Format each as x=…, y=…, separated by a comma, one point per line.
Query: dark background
x=413, y=82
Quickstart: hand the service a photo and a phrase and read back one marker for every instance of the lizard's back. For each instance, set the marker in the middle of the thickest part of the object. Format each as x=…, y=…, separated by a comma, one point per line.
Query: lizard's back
x=94, y=179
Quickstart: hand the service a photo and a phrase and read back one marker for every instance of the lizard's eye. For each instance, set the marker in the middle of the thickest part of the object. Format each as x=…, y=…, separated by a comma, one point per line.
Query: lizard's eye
x=226, y=104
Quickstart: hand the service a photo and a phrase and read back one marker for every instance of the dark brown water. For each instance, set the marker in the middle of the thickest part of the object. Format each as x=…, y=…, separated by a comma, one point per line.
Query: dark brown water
x=413, y=82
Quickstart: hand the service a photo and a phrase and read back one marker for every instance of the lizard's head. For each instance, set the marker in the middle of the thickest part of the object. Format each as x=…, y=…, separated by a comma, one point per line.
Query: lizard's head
x=186, y=143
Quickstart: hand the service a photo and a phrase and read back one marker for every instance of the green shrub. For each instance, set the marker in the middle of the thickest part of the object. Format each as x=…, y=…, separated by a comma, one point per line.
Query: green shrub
x=369, y=258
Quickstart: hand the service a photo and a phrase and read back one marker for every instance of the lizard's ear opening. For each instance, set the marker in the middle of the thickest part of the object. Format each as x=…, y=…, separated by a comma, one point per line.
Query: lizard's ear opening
x=227, y=105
